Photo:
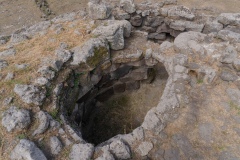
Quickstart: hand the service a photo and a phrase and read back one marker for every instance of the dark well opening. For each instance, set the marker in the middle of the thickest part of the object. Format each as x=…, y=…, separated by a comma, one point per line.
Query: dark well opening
x=118, y=103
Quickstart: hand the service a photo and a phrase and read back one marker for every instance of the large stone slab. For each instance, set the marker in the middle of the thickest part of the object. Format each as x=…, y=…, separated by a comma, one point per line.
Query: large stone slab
x=26, y=149
x=94, y=52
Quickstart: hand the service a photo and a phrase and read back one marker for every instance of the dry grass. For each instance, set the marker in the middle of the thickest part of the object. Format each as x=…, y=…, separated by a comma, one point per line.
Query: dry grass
x=37, y=49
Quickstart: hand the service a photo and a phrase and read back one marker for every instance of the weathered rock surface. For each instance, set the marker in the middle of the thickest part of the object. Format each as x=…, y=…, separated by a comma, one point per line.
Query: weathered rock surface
x=128, y=6
x=56, y=145
x=30, y=93
x=180, y=12
x=3, y=64
x=15, y=119
x=229, y=18
x=85, y=55
x=120, y=150
x=26, y=149
x=144, y=148
x=84, y=151
x=229, y=36
x=98, y=11
x=9, y=52
x=114, y=32
x=43, y=123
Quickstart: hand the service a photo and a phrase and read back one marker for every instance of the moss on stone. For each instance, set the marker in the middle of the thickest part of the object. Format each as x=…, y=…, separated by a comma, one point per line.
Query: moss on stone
x=100, y=53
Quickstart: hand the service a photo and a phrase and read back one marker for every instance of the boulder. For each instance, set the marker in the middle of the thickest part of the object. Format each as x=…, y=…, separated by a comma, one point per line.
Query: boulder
x=128, y=6
x=152, y=122
x=228, y=75
x=158, y=36
x=98, y=11
x=81, y=151
x=55, y=145
x=181, y=41
x=16, y=119
x=30, y=93
x=163, y=28
x=186, y=25
x=63, y=54
x=106, y=156
x=121, y=15
x=229, y=18
x=26, y=149
x=179, y=12
x=47, y=72
x=229, y=36
x=91, y=54
x=144, y=148
x=212, y=26
x=124, y=56
x=120, y=150
x=114, y=32
x=43, y=123
x=136, y=20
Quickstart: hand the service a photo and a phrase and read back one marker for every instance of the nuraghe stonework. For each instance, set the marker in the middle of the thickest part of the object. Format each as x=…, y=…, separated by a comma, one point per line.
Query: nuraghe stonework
x=49, y=100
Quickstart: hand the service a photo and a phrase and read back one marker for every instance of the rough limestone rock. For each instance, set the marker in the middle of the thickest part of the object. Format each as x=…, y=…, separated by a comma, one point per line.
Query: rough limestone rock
x=212, y=26
x=55, y=145
x=98, y=11
x=42, y=81
x=37, y=28
x=3, y=64
x=228, y=75
x=81, y=151
x=17, y=38
x=106, y=156
x=229, y=18
x=63, y=54
x=30, y=93
x=9, y=76
x=128, y=6
x=120, y=150
x=46, y=72
x=4, y=39
x=92, y=53
x=229, y=36
x=9, y=52
x=43, y=123
x=186, y=25
x=152, y=122
x=181, y=41
x=179, y=12
x=144, y=148
x=114, y=32
x=16, y=119
x=136, y=20
x=27, y=150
